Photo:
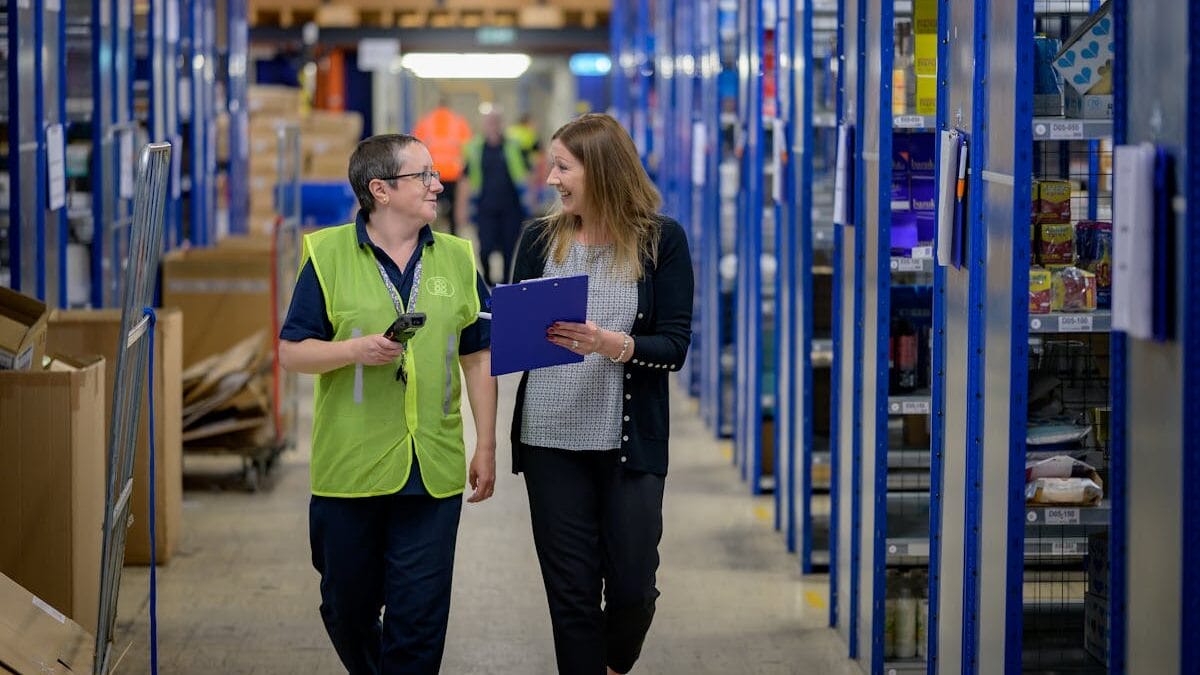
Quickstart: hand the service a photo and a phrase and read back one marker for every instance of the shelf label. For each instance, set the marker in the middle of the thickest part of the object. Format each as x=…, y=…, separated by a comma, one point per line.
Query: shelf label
x=1075, y=323
x=897, y=549
x=908, y=264
x=1067, y=548
x=908, y=122
x=56, y=167
x=1062, y=516
x=922, y=253
x=914, y=407
x=1061, y=130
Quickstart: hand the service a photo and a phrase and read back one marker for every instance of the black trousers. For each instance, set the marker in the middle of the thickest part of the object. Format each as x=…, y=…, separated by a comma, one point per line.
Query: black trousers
x=596, y=527
x=446, y=201
x=499, y=230
x=394, y=552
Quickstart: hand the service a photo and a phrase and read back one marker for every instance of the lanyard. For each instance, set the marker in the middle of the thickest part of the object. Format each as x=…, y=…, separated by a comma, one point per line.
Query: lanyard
x=387, y=281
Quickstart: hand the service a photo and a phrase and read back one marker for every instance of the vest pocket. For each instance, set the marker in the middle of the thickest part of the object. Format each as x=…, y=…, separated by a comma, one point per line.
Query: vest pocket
x=451, y=348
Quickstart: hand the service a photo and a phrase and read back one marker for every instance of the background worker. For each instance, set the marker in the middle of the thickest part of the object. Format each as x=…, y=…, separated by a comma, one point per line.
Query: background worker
x=496, y=169
x=445, y=132
x=525, y=133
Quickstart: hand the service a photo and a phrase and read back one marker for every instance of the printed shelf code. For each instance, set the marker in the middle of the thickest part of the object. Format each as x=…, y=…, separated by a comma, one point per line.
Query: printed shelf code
x=1075, y=323
x=1062, y=516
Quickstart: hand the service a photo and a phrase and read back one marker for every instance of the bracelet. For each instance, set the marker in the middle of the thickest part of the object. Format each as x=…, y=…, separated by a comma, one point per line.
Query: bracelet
x=624, y=348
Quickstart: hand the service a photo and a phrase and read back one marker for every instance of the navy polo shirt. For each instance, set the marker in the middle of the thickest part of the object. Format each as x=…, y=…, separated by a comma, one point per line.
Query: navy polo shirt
x=307, y=316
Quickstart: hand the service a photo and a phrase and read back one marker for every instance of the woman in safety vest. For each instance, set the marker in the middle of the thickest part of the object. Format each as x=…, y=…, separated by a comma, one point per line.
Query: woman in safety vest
x=384, y=314
x=591, y=437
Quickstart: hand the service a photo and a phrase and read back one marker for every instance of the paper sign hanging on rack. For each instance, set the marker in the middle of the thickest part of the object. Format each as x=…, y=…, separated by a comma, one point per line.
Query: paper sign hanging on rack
x=699, y=144
x=125, y=159
x=56, y=167
x=1133, y=240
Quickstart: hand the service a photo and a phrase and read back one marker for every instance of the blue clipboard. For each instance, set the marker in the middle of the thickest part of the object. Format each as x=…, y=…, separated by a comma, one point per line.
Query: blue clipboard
x=522, y=312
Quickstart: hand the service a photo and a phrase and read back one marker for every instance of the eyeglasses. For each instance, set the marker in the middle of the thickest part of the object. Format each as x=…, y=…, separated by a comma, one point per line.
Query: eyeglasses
x=427, y=176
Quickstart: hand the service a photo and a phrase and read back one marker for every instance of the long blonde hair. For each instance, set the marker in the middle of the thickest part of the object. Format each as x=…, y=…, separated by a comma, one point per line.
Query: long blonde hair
x=616, y=189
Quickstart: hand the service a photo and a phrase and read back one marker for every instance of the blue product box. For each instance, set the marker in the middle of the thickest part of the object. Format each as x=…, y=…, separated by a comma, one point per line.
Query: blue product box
x=923, y=190
x=921, y=150
x=900, y=174
x=904, y=232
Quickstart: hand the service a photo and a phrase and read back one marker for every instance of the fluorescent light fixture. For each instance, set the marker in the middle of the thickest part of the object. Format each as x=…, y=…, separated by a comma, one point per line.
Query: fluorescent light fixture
x=466, y=66
x=588, y=64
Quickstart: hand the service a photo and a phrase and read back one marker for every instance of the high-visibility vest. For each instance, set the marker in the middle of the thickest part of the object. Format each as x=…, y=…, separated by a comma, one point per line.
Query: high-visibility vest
x=514, y=157
x=444, y=132
x=367, y=423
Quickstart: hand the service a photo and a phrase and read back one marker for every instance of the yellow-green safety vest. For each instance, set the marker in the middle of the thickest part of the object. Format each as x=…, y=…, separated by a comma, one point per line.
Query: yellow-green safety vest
x=514, y=157
x=366, y=423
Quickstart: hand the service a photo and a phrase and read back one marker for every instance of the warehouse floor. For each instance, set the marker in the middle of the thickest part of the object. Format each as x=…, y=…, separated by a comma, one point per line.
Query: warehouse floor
x=240, y=595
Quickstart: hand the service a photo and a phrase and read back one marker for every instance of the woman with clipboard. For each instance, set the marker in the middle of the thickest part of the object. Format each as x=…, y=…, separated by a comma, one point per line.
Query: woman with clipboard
x=591, y=437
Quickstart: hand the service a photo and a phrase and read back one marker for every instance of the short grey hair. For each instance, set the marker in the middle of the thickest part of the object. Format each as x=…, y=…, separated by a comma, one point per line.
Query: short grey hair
x=376, y=157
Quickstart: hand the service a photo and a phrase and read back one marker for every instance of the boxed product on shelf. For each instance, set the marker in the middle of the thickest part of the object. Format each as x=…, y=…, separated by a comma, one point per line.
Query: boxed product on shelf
x=1047, y=84
x=1074, y=290
x=22, y=330
x=1085, y=63
x=1052, y=201
x=1062, y=480
x=904, y=219
x=1040, y=291
x=1093, y=252
x=1055, y=244
x=922, y=184
x=926, y=94
x=270, y=100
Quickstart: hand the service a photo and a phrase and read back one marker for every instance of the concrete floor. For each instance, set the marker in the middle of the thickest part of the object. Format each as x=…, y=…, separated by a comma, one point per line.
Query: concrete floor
x=240, y=596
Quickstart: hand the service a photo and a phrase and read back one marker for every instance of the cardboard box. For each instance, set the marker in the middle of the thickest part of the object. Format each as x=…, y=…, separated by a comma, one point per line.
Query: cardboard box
x=1087, y=106
x=22, y=330
x=1085, y=60
x=83, y=331
x=271, y=99
x=53, y=483
x=36, y=638
x=224, y=293
x=346, y=126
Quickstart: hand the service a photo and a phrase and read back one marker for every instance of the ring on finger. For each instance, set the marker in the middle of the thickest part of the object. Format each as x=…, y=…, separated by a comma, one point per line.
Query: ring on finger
x=574, y=344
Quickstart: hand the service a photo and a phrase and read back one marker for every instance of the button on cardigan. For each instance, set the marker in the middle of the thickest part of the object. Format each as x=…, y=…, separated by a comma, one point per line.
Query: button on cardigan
x=661, y=336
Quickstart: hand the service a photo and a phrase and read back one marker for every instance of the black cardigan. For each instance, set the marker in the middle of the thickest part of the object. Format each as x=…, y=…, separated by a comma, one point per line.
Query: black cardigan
x=661, y=335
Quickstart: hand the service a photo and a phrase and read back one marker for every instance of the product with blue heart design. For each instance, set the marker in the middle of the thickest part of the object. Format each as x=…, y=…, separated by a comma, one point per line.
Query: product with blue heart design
x=1085, y=60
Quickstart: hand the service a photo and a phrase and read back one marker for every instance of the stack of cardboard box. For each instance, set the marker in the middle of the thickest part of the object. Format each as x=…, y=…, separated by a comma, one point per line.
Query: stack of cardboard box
x=328, y=138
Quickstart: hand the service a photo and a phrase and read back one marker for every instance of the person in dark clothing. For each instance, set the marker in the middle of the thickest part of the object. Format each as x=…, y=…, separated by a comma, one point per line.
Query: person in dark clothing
x=496, y=168
x=591, y=437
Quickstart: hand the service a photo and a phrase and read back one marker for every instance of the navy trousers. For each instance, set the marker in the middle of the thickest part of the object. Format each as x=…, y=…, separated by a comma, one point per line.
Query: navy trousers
x=394, y=553
x=596, y=527
x=499, y=230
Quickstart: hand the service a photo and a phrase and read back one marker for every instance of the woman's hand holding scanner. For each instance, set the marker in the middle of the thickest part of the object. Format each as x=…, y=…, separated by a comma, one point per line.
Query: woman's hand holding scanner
x=376, y=350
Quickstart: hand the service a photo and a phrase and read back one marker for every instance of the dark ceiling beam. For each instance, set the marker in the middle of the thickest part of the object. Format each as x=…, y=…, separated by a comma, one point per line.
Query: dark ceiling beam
x=527, y=40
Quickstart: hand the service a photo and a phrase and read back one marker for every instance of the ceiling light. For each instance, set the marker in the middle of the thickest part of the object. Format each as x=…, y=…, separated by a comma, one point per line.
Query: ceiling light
x=467, y=66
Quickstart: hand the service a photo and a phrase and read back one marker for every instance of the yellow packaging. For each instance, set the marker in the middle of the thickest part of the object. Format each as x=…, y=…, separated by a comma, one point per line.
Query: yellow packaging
x=925, y=54
x=926, y=95
x=1052, y=201
x=1056, y=245
x=925, y=17
x=1040, y=293
x=1074, y=290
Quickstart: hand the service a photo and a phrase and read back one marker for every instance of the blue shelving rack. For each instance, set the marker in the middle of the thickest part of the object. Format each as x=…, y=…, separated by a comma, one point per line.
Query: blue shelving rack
x=197, y=118
x=234, y=75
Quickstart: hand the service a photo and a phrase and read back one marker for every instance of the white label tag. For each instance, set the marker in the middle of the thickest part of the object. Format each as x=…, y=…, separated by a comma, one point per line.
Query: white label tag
x=126, y=161
x=908, y=122
x=922, y=253
x=54, y=613
x=914, y=408
x=1062, y=516
x=1075, y=323
x=898, y=549
x=1065, y=548
x=1064, y=131
x=907, y=264
x=56, y=167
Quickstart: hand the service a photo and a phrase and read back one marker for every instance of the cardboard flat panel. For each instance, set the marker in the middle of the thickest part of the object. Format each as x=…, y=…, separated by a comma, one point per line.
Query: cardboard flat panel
x=97, y=331
x=36, y=638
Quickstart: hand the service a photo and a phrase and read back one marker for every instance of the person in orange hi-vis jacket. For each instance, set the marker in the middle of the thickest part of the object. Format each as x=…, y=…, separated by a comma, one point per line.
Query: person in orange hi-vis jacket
x=445, y=132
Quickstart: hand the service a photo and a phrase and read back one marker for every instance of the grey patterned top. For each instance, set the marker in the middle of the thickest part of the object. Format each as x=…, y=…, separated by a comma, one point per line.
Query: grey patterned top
x=578, y=406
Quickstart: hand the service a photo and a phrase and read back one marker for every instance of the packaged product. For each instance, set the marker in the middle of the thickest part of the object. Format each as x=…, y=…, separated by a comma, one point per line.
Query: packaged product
x=1040, y=294
x=1063, y=491
x=1093, y=252
x=1052, y=201
x=1056, y=244
x=1074, y=290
